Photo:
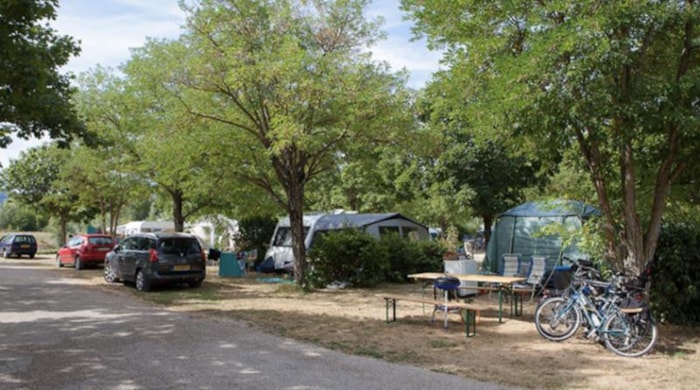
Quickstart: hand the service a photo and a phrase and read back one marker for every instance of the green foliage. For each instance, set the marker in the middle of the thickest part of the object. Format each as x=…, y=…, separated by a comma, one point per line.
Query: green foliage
x=675, y=286
x=348, y=255
x=405, y=257
x=483, y=173
x=35, y=98
x=19, y=218
x=616, y=81
x=254, y=233
x=139, y=209
x=36, y=180
x=355, y=256
x=286, y=86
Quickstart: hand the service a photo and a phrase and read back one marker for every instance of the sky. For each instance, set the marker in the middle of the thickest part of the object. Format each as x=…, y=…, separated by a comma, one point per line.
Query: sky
x=108, y=29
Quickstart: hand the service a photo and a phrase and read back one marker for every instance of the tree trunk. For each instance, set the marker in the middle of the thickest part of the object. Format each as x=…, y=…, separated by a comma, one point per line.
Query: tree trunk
x=488, y=221
x=63, y=228
x=178, y=220
x=633, y=237
x=103, y=216
x=289, y=168
x=296, y=221
x=295, y=209
x=113, y=219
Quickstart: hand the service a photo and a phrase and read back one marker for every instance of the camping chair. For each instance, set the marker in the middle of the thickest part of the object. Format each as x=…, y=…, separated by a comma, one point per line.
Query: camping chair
x=511, y=265
x=534, y=277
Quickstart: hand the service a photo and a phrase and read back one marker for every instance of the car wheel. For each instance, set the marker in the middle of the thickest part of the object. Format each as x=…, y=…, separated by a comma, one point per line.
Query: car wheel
x=195, y=283
x=31, y=256
x=142, y=282
x=78, y=263
x=59, y=264
x=110, y=275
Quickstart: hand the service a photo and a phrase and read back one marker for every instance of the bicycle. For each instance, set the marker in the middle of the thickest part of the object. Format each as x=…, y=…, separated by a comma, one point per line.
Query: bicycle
x=596, y=304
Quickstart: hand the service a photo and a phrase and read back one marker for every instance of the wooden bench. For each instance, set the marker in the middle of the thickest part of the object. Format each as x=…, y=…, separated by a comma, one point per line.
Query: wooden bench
x=470, y=312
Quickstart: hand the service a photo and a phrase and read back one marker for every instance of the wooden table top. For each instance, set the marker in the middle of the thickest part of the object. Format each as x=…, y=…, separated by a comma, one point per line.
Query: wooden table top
x=485, y=278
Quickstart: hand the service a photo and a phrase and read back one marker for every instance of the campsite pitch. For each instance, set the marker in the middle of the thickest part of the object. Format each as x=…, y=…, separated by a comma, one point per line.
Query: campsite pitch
x=353, y=321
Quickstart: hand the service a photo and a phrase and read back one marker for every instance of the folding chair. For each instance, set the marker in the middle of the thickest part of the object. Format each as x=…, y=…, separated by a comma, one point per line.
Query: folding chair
x=511, y=265
x=534, y=277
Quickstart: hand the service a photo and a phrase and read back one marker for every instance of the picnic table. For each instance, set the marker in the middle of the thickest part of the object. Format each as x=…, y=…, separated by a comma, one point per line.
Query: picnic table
x=501, y=284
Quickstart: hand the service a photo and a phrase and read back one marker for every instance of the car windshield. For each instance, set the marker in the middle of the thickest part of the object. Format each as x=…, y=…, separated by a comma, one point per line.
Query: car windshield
x=173, y=245
x=29, y=239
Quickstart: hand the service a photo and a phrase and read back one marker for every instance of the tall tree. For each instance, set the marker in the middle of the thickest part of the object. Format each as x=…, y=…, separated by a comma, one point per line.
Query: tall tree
x=100, y=185
x=104, y=171
x=144, y=134
x=483, y=175
x=34, y=97
x=37, y=180
x=619, y=80
x=289, y=84
x=475, y=165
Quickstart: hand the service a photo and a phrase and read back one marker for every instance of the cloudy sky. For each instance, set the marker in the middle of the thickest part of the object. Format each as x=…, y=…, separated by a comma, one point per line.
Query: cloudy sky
x=107, y=29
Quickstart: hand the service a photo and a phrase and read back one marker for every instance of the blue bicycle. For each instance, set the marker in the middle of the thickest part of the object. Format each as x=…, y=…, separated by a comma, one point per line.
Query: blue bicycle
x=613, y=312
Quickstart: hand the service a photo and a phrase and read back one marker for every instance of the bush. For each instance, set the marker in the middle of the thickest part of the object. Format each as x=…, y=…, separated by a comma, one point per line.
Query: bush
x=347, y=255
x=430, y=259
x=676, y=275
x=254, y=234
x=406, y=257
x=357, y=257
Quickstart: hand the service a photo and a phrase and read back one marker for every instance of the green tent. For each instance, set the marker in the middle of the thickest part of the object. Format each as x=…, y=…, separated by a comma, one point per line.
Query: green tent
x=518, y=230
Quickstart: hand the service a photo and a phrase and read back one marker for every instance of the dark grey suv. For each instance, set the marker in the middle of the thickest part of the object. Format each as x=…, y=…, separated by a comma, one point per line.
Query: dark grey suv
x=156, y=258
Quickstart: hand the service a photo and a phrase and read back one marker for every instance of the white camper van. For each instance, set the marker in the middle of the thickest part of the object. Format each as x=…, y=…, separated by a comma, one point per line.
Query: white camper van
x=280, y=251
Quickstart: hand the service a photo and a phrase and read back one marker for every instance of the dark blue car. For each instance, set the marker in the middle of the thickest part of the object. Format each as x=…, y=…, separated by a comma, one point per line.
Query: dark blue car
x=18, y=244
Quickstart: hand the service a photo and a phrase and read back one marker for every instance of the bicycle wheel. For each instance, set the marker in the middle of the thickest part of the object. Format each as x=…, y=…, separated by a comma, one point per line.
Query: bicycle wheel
x=630, y=335
x=557, y=319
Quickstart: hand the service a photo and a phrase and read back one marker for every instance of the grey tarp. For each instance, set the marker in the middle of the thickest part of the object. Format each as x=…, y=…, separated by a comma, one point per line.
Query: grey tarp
x=516, y=231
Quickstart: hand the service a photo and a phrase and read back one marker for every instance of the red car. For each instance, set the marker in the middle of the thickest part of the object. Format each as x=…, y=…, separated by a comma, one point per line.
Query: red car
x=85, y=249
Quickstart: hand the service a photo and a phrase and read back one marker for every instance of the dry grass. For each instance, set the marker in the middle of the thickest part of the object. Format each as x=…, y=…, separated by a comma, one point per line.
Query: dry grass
x=353, y=321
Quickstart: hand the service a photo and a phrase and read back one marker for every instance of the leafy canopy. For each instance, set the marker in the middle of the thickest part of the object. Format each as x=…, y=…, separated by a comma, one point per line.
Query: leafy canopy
x=618, y=80
x=34, y=97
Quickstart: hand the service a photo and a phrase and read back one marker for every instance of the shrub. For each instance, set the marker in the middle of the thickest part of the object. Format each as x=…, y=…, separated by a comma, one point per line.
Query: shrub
x=347, y=255
x=405, y=257
x=676, y=275
x=430, y=259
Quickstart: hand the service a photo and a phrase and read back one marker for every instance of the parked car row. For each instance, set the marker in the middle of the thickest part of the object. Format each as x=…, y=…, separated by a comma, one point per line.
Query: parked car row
x=146, y=259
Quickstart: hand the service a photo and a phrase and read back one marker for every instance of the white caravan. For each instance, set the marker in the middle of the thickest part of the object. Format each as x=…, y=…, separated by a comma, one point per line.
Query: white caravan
x=280, y=251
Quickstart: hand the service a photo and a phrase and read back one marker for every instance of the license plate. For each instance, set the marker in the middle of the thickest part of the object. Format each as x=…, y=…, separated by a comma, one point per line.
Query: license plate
x=24, y=246
x=102, y=249
x=181, y=267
